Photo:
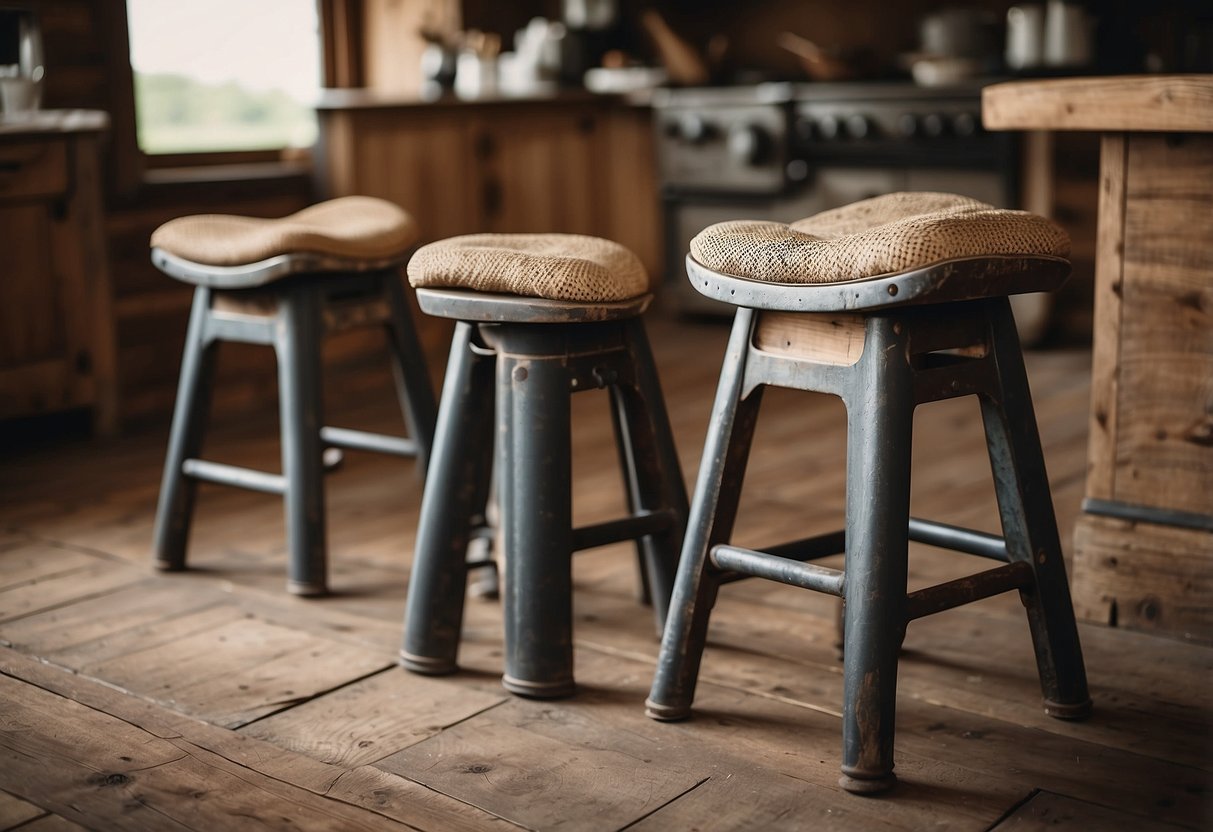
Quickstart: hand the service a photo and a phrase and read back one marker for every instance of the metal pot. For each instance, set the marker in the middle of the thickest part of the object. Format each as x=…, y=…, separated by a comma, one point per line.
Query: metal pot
x=961, y=33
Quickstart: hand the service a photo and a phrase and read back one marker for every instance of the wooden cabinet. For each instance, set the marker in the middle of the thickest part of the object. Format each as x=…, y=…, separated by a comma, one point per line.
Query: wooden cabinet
x=577, y=165
x=538, y=174
x=56, y=330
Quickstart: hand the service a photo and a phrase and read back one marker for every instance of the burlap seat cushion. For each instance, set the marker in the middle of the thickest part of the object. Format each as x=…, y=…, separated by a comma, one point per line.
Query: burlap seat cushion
x=569, y=267
x=888, y=234
x=351, y=227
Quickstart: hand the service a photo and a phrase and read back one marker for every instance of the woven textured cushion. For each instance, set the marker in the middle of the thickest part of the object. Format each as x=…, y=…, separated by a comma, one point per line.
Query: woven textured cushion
x=888, y=234
x=351, y=227
x=567, y=267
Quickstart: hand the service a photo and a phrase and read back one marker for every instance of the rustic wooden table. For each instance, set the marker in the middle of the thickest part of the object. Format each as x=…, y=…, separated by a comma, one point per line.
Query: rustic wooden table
x=1143, y=554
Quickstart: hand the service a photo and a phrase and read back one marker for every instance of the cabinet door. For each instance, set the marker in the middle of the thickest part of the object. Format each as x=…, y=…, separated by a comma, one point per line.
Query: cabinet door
x=540, y=172
x=45, y=360
x=421, y=161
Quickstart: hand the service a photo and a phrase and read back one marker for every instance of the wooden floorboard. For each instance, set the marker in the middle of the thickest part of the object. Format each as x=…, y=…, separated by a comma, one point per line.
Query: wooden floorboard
x=1046, y=810
x=239, y=706
x=14, y=811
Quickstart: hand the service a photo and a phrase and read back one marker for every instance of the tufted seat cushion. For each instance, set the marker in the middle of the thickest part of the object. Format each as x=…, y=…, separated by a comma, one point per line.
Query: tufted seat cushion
x=569, y=267
x=351, y=227
x=888, y=234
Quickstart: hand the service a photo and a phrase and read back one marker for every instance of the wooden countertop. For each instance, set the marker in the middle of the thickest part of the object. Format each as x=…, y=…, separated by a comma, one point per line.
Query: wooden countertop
x=368, y=99
x=42, y=122
x=1154, y=103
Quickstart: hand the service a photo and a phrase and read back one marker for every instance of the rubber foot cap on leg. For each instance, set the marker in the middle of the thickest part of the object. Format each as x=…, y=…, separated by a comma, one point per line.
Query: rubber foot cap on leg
x=168, y=566
x=427, y=666
x=867, y=785
x=665, y=713
x=539, y=690
x=1064, y=710
x=306, y=589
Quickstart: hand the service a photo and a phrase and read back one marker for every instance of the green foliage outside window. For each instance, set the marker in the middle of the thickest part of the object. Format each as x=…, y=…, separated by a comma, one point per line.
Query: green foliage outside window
x=178, y=114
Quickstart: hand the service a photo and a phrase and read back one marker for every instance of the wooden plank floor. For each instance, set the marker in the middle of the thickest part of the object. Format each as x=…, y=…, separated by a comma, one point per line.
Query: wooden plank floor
x=212, y=700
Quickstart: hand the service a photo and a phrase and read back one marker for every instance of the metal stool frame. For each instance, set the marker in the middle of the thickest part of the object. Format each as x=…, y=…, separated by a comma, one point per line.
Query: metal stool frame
x=289, y=303
x=932, y=334
x=514, y=364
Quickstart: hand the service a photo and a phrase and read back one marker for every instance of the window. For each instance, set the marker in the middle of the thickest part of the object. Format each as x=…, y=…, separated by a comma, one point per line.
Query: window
x=224, y=75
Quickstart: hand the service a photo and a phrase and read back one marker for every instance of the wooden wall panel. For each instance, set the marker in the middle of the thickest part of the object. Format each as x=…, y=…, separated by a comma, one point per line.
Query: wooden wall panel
x=1105, y=361
x=392, y=43
x=1164, y=435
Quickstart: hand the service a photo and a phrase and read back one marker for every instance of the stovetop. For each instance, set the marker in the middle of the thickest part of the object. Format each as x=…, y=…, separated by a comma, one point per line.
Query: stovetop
x=766, y=137
x=786, y=92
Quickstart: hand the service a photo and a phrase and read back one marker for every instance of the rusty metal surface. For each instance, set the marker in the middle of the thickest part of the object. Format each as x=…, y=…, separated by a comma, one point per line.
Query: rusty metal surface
x=485, y=307
x=774, y=568
x=269, y=270
x=945, y=282
x=508, y=391
x=971, y=588
x=910, y=356
x=290, y=316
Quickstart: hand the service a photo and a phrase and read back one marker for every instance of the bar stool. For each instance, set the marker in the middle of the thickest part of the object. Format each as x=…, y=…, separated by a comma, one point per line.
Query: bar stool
x=286, y=283
x=540, y=317
x=887, y=303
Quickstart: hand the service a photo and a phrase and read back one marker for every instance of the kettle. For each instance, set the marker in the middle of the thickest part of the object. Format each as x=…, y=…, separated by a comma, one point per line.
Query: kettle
x=21, y=61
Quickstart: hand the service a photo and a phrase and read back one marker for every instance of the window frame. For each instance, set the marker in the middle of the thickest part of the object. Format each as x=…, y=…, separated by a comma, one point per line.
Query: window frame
x=335, y=19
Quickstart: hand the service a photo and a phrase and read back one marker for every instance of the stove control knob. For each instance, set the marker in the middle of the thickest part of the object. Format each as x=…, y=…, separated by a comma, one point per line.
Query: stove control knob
x=829, y=128
x=908, y=126
x=965, y=124
x=934, y=125
x=749, y=144
x=694, y=129
x=860, y=127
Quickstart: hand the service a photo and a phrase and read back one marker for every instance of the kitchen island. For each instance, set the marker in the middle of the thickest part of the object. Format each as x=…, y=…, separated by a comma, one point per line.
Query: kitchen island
x=1143, y=547
x=569, y=161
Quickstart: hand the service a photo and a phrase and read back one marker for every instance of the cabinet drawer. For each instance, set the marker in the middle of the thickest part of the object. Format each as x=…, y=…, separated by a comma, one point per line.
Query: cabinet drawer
x=33, y=169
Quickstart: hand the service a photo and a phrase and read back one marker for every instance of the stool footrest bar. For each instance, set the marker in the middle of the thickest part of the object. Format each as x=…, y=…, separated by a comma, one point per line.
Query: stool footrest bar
x=810, y=548
x=234, y=475
x=963, y=591
x=774, y=568
x=627, y=528
x=361, y=440
x=958, y=539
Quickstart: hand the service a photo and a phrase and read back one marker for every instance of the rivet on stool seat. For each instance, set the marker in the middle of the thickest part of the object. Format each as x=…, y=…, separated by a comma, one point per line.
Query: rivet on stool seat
x=285, y=283
x=540, y=316
x=889, y=303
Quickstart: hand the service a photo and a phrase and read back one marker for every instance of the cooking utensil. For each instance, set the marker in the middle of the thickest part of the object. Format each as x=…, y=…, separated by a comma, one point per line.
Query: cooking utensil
x=821, y=64
x=684, y=65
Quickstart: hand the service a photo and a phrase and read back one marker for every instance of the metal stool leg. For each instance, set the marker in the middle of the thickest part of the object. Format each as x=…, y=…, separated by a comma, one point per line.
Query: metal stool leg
x=880, y=407
x=456, y=489
x=651, y=466
x=713, y=509
x=535, y=489
x=1029, y=524
x=176, y=505
x=297, y=337
x=412, y=379
x=623, y=444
